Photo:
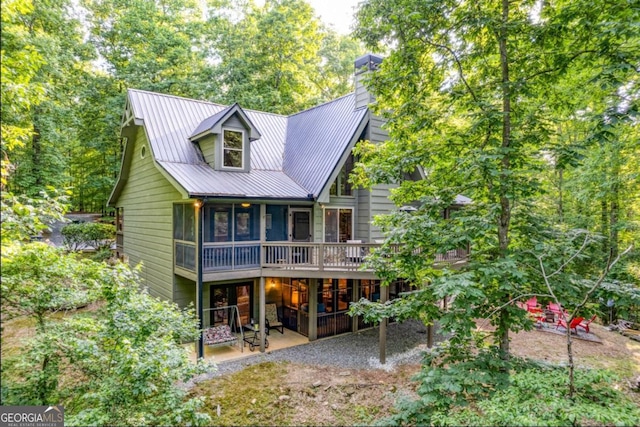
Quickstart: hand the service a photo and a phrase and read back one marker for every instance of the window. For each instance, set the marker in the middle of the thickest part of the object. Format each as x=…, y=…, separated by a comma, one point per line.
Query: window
x=338, y=225
x=232, y=149
x=341, y=186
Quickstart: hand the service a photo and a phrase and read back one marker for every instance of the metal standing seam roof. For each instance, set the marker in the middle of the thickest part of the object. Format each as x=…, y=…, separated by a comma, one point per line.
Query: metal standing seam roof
x=317, y=138
x=293, y=158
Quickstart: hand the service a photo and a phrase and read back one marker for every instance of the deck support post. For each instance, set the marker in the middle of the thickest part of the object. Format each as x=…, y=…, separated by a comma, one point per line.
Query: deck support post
x=384, y=296
x=263, y=300
x=199, y=297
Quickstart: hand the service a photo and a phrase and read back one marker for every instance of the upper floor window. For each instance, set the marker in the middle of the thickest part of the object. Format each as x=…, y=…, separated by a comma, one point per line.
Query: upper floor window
x=233, y=149
x=341, y=186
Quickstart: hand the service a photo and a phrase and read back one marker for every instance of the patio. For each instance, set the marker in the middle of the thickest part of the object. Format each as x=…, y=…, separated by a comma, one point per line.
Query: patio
x=226, y=353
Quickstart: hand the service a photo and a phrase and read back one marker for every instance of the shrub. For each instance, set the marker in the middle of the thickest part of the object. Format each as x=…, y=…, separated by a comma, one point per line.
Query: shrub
x=537, y=396
x=88, y=235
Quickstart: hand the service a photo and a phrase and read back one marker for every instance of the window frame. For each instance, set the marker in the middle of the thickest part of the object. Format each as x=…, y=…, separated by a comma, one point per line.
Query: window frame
x=337, y=209
x=224, y=148
x=342, y=179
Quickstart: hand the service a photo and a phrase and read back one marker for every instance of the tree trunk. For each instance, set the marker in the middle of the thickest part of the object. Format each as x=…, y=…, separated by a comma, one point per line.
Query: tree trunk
x=560, y=207
x=572, y=386
x=36, y=158
x=505, y=203
x=604, y=217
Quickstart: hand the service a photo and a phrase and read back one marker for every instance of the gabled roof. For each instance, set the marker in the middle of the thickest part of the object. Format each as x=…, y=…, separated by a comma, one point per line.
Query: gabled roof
x=317, y=138
x=293, y=158
x=213, y=124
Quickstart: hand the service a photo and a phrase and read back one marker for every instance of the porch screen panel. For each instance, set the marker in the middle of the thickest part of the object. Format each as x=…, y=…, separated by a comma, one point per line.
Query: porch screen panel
x=217, y=223
x=184, y=222
x=178, y=219
x=247, y=223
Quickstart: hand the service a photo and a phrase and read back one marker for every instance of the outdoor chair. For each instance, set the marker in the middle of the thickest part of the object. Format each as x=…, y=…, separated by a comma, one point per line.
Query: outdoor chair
x=555, y=308
x=573, y=325
x=272, y=318
x=585, y=324
x=532, y=305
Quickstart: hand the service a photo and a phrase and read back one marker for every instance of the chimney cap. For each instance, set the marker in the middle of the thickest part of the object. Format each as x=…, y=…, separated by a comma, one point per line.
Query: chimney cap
x=370, y=61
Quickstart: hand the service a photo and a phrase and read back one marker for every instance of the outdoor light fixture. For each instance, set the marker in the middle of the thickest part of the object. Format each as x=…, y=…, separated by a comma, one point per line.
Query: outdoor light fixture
x=273, y=283
x=408, y=208
x=245, y=205
x=197, y=203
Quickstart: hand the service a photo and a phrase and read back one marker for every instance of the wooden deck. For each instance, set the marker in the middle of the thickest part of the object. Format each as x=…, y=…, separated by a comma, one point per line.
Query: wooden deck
x=287, y=256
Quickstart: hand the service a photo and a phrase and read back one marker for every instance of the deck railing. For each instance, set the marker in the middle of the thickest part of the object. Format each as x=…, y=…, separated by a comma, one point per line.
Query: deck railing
x=285, y=255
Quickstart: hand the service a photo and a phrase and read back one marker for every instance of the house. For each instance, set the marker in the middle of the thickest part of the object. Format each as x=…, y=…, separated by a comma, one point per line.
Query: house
x=232, y=207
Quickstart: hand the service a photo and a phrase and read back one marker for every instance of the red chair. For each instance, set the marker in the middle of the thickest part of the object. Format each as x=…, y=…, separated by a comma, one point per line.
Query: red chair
x=585, y=324
x=573, y=325
x=557, y=310
x=532, y=305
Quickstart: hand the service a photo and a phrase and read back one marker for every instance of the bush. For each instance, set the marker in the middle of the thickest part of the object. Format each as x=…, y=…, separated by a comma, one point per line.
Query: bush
x=88, y=235
x=538, y=396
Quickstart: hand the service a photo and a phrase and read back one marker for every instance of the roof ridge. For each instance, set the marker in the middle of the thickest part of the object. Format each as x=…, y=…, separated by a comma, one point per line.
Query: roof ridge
x=322, y=105
x=202, y=101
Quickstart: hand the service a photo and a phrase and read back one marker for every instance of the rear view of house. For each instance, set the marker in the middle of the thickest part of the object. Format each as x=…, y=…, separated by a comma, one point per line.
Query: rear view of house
x=232, y=207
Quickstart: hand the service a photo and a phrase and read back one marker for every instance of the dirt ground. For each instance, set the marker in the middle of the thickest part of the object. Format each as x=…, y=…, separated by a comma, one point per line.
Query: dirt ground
x=330, y=396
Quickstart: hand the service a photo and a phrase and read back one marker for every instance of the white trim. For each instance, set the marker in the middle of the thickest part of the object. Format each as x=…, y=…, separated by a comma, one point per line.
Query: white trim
x=242, y=151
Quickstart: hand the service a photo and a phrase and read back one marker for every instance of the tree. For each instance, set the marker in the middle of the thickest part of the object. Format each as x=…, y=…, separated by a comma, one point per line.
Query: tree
x=52, y=32
x=20, y=63
x=472, y=92
x=279, y=58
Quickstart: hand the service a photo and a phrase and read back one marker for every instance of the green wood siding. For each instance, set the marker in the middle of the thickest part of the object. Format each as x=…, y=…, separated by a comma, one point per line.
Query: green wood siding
x=363, y=216
x=208, y=147
x=184, y=291
x=147, y=199
x=380, y=204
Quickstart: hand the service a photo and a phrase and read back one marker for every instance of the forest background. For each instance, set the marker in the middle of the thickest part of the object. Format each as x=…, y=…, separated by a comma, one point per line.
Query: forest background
x=66, y=66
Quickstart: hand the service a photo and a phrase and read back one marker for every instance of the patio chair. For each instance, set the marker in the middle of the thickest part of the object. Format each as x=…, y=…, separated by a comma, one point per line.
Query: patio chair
x=585, y=324
x=573, y=325
x=555, y=308
x=272, y=318
x=532, y=305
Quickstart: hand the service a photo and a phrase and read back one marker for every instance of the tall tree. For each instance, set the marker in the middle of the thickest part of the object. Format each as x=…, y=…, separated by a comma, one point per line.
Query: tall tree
x=53, y=31
x=278, y=57
x=471, y=93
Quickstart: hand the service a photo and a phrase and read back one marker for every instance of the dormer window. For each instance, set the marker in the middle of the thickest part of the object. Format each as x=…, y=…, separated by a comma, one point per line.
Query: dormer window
x=233, y=149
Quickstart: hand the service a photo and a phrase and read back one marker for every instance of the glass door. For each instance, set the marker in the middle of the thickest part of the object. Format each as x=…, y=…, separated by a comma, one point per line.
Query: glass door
x=228, y=295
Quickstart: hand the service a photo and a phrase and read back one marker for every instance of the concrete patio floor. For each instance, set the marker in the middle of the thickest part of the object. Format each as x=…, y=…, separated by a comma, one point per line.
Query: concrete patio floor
x=226, y=353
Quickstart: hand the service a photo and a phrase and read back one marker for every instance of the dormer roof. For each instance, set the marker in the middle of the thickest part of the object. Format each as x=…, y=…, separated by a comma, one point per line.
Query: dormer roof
x=213, y=124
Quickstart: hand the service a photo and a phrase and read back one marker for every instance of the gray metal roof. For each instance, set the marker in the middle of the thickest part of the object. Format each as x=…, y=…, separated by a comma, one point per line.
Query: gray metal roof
x=209, y=122
x=293, y=158
x=317, y=138
x=202, y=180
